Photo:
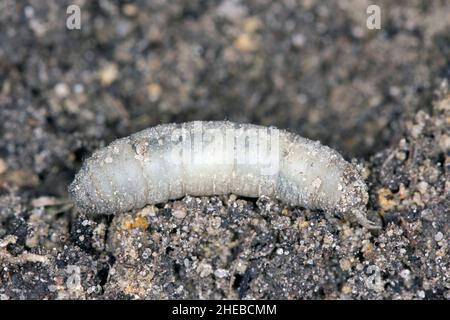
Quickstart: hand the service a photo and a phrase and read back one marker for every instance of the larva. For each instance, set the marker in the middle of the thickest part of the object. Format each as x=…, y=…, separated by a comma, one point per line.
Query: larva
x=218, y=157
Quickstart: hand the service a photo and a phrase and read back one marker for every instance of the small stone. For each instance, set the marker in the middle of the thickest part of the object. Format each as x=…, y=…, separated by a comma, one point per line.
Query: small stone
x=400, y=155
x=439, y=236
x=405, y=274
x=232, y=10
x=62, y=90
x=204, y=269
x=29, y=12
x=298, y=40
x=403, y=192
x=221, y=273
x=78, y=88
x=108, y=74
x=427, y=214
x=345, y=264
x=130, y=10
x=245, y=42
x=154, y=91
x=252, y=24
x=416, y=130
x=421, y=294
x=422, y=187
x=346, y=289
x=444, y=142
x=179, y=213
x=3, y=166
x=280, y=251
x=418, y=199
x=149, y=210
x=216, y=222
x=241, y=267
x=394, y=91
x=52, y=288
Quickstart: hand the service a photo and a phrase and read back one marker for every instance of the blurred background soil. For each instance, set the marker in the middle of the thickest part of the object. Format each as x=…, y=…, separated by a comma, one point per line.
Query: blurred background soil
x=311, y=66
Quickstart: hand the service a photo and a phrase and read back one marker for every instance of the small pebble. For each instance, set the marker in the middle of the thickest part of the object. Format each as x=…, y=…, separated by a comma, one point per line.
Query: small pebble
x=52, y=288
x=62, y=90
x=29, y=12
x=345, y=264
x=204, y=269
x=108, y=74
x=130, y=10
x=232, y=10
x=3, y=166
x=78, y=88
x=179, y=213
x=439, y=236
x=422, y=187
x=154, y=91
x=298, y=40
x=221, y=273
x=246, y=42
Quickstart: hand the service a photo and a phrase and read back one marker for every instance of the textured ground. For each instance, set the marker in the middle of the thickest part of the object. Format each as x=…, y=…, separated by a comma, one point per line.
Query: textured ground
x=312, y=67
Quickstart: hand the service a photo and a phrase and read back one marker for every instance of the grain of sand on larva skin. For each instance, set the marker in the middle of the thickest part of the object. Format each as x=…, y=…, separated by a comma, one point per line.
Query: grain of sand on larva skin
x=199, y=158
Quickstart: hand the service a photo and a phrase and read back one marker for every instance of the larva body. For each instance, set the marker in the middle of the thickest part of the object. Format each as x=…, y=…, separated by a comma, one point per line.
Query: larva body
x=218, y=157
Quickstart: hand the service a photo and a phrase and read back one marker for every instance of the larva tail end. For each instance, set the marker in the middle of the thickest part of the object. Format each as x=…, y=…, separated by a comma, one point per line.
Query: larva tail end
x=362, y=220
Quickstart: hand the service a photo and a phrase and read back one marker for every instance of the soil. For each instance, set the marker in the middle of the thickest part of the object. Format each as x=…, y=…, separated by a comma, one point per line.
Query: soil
x=313, y=67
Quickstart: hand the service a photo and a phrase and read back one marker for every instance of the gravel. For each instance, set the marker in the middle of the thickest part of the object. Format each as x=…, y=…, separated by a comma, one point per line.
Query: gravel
x=380, y=96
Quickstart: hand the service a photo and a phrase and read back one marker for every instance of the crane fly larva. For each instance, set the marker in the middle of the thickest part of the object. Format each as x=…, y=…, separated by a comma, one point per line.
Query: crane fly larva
x=199, y=158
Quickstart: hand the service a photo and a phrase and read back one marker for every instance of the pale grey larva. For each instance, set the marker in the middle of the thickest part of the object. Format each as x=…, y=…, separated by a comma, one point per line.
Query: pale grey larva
x=218, y=157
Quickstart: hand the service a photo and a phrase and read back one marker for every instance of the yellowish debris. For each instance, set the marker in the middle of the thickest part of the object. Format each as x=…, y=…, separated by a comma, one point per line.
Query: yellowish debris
x=154, y=91
x=245, y=42
x=108, y=74
x=385, y=199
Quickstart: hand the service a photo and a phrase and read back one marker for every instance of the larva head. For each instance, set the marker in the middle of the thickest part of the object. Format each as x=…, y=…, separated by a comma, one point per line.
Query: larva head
x=86, y=189
x=86, y=194
x=110, y=181
x=81, y=192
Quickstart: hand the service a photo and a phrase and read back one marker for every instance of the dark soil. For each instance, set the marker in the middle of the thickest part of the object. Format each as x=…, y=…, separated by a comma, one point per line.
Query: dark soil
x=380, y=96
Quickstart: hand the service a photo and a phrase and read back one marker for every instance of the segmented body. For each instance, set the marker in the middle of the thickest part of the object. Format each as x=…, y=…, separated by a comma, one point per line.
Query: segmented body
x=218, y=157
